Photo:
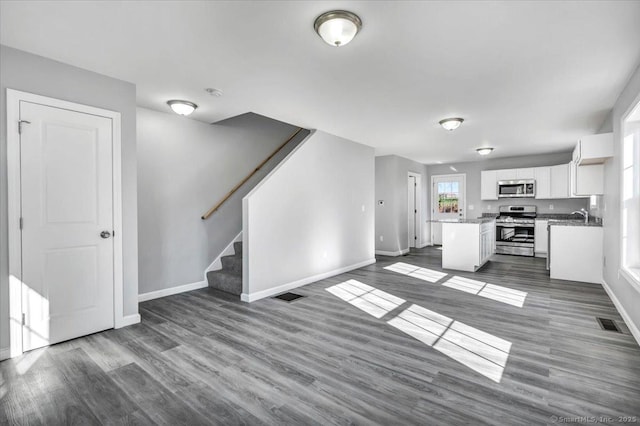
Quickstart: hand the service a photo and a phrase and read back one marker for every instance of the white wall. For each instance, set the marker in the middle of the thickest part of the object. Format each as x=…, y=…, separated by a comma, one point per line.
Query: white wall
x=392, y=217
x=184, y=168
x=30, y=73
x=312, y=217
x=624, y=294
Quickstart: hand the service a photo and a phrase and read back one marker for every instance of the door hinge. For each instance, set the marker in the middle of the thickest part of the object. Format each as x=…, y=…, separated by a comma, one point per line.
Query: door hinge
x=21, y=223
x=113, y=233
x=415, y=211
x=24, y=322
x=20, y=122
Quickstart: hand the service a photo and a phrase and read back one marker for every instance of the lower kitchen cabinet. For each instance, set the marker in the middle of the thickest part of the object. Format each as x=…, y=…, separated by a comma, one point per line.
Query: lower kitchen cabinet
x=541, y=238
x=575, y=253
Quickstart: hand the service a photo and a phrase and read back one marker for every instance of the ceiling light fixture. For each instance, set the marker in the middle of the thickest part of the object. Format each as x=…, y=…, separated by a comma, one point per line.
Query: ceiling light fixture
x=182, y=107
x=337, y=27
x=451, y=123
x=484, y=151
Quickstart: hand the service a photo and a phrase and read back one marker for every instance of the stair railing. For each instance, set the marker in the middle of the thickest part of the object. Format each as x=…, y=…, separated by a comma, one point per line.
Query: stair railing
x=213, y=209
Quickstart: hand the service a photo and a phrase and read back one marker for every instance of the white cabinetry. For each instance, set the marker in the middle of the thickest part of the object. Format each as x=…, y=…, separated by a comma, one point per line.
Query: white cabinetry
x=576, y=253
x=560, y=181
x=541, y=238
x=593, y=149
x=467, y=246
x=587, y=180
x=488, y=185
x=542, y=175
x=528, y=173
x=506, y=174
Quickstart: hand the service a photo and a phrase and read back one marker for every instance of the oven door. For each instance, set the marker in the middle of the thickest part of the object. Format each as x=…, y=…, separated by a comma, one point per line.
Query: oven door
x=517, y=239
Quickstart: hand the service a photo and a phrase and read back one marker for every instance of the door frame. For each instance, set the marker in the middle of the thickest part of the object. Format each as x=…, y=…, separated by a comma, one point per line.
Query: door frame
x=14, y=97
x=433, y=195
x=418, y=215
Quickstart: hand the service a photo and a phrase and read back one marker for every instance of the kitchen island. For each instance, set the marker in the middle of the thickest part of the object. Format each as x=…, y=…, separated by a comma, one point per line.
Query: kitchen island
x=467, y=244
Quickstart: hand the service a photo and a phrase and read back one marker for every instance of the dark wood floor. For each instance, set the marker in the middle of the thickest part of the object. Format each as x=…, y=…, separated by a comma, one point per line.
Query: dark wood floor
x=205, y=358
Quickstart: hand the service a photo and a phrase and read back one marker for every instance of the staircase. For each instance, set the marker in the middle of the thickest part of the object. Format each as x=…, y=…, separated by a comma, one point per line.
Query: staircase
x=229, y=278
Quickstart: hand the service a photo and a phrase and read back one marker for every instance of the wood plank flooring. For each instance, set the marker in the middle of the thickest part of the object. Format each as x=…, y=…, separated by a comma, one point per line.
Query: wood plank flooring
x=348, y=358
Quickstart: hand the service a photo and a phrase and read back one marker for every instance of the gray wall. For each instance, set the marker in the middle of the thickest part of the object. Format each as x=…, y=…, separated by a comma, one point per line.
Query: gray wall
x=30, y=73
x=184, y=168
x=313, y=216
x=627, y=295
x=391, y=187
x=475, y=207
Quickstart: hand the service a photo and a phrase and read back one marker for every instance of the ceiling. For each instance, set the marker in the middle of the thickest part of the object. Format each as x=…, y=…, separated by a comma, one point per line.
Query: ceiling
x=527, y=77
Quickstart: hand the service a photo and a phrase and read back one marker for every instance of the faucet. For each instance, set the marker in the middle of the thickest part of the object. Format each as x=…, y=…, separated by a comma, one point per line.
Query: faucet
x=583, y=213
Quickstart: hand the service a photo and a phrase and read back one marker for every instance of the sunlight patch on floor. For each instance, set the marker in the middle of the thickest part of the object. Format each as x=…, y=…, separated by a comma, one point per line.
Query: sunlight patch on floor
x=416, y=272
x=482, y=352
x=366, y=298
x=490, y=291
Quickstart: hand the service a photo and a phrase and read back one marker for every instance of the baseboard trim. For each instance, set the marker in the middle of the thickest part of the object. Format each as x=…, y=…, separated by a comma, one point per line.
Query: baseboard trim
x=635, y=331
x=392, y=253
x=423, y=245
x=252, y=297
x=127, y=320
x=171, y=291
x=5, y=354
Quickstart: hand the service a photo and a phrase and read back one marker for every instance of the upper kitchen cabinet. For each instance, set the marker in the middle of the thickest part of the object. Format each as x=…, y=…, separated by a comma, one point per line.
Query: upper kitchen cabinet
x=528, y=173
x=560, y=183
x=587, y=180
x=542, y=175
x=488, y=185
x=506, y=174
x=593, y=149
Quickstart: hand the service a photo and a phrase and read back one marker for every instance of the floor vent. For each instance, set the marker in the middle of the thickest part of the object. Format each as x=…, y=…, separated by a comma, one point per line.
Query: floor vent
x=288, y=297
x=608, y=324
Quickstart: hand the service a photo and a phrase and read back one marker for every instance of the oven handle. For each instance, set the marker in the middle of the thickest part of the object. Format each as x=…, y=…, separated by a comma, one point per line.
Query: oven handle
x=514, y=225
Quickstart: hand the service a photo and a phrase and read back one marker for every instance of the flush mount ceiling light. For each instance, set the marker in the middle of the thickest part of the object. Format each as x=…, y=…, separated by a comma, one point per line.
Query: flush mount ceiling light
x=484, y=151
x=337, y=27
x=451, y=123
x=182, y=107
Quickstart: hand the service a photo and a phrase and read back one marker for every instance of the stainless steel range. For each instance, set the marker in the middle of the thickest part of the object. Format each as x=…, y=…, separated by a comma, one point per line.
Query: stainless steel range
x=515, y=228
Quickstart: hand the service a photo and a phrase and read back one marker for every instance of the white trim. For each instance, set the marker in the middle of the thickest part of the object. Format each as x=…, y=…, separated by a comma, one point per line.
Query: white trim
x=633, y=328
x=14, y=97
x=130, y=320
x=392, y=253
x=629, y=276
x=252, y=297
x=418, y=206
x=5, y=353
x=216, y=265
x=433, y=194
x=171, y=291
x=424, y=244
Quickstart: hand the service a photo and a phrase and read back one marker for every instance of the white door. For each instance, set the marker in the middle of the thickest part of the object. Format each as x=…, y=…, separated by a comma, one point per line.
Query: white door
x=412, y=210
x=447, y=202
x=67, y=202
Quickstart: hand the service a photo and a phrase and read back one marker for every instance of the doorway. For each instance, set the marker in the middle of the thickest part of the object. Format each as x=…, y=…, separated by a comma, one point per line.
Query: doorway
x=65, y=246
x=414, y=212
x=448, y=201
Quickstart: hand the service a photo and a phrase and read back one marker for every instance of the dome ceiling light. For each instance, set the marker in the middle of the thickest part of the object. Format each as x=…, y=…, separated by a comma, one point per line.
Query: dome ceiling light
x=182, y=107
x=337, y=27
x=484, y=150
x=451, y=123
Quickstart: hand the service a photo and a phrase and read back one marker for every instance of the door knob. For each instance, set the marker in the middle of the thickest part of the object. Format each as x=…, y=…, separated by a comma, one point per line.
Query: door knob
x=105, y=234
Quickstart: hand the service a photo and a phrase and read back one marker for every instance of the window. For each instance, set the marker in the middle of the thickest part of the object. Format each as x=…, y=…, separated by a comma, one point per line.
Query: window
x=630, y=195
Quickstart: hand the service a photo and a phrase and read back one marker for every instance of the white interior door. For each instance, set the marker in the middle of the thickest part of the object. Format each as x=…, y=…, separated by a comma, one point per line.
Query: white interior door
x=411, y=210
x=447, y=203
x=67, y=202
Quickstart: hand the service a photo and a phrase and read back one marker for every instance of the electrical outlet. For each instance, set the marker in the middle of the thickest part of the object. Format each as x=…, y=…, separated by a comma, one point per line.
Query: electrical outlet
x=381, y=238
x=470, y=207
x=550, y=206
x=363, y=207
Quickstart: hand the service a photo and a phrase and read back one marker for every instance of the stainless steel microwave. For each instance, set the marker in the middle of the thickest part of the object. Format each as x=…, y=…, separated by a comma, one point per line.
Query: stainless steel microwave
x=525, y=188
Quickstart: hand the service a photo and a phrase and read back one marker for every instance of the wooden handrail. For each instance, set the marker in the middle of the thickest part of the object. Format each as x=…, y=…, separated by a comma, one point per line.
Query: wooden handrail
x=235, y=188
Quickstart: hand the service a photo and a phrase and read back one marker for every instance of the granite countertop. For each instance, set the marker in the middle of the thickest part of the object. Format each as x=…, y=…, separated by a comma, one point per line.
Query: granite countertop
x=569, y=222
x=478, y=220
